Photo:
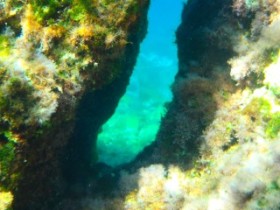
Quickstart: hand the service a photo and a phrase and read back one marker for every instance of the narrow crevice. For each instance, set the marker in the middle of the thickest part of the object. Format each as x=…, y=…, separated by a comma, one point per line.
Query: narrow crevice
x=137, y=118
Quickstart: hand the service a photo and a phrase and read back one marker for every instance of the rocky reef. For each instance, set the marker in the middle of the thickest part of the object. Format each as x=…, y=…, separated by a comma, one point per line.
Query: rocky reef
x=64, y=66
x=59, y=61
x=218, y=146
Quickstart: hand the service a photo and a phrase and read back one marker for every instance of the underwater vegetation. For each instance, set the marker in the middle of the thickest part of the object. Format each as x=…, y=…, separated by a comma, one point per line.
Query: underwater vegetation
x=64, y=66
x=52, y=54
x=218, y=144
x=220, y=137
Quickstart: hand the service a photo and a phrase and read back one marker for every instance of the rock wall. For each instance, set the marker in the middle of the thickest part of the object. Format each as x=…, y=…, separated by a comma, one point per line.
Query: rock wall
x=218, y=146
x=63, y=67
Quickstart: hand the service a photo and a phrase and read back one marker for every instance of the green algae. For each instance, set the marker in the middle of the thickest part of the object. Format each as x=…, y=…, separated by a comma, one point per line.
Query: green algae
x=273, y=126
x=275, y=91
x=259, y=108
x=5, y=45
x=44, y=9
x=76, y=10
x=7, y=156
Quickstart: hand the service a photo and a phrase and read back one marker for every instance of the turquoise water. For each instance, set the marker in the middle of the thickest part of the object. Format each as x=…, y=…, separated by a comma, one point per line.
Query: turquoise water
x=137, y=118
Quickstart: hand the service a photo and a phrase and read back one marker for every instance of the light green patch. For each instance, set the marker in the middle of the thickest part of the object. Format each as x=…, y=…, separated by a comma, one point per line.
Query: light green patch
x=76, y=10
x=259, y=108
x=274, y=56
x=45, y=9
x=4, y=46
x=273, y=186
x=273, y=126
x=229, y=127
x=77, y=13
x=275, y=91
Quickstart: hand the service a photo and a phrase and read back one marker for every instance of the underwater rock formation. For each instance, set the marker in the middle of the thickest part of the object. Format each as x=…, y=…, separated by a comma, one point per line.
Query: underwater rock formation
x=59, y=61
x=218, y=146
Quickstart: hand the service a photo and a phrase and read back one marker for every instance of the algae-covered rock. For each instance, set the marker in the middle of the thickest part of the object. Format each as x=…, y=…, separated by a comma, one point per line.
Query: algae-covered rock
x=63, y=67
x=218, y=145
x=52, y=54
x=220, y=136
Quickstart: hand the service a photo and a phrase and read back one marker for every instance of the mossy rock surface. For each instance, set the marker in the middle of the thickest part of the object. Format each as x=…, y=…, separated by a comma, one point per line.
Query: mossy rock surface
x=52, y=55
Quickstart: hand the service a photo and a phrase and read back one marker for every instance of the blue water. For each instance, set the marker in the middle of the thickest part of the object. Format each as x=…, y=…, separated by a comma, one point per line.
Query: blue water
x=137, y=118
